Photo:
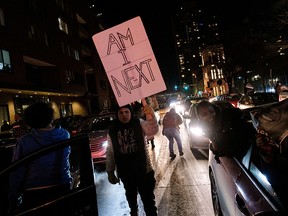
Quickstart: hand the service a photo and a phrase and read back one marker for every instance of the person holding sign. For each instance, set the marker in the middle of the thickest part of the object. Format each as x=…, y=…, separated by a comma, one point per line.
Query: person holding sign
x=127, y=154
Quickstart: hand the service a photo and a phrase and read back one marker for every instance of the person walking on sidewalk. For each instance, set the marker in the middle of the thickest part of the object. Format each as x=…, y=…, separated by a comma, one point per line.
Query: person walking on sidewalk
x=127, y=153
x=171, y=130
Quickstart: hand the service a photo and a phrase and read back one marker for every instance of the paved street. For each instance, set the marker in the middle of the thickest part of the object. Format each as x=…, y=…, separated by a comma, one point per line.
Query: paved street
x=182, y=187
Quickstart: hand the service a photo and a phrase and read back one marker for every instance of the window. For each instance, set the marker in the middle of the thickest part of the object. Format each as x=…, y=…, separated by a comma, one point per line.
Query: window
x=63, y=47
x=4, y=114
x=70, y=76
x=66, y=110
x=68, y=50
x=5, y=65
x=46, y=41
x=76, y=55
x=38, y=34
x=63, y=26
x=2, y=19
x=103, y=85
x=31, y=32
x=60, y=3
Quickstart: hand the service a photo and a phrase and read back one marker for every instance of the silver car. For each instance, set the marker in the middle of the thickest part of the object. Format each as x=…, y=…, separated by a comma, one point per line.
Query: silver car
x=239, y=187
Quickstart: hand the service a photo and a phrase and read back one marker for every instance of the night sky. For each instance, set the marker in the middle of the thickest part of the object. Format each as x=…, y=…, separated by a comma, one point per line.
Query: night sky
x=158, y=26
x=157, y=22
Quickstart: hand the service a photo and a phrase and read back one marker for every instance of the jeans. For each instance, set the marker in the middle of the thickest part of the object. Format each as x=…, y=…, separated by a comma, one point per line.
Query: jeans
x=171, y=134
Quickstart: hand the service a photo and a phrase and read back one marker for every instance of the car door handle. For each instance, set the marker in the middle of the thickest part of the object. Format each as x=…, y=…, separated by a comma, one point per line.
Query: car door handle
x=241, y=204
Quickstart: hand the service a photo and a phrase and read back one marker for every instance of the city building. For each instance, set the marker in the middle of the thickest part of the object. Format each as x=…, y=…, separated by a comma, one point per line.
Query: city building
x=47, y=54
x=200, y=51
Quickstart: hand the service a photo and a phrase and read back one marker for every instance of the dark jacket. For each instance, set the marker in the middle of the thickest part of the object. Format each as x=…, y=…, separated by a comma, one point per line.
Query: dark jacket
x=148, y=128
x=129, y=147
x=172, y=120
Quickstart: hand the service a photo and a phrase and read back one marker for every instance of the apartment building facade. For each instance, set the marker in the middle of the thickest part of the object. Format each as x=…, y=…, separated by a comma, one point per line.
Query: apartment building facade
x=47, y=54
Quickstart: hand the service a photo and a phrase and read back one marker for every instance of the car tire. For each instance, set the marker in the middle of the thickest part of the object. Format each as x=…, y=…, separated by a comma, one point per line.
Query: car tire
x=214, y=195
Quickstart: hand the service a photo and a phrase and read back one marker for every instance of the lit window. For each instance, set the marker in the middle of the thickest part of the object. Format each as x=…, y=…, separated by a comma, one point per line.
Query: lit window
x=31, y=32
x=76, y=55
x=5, y=65
x=62, y=25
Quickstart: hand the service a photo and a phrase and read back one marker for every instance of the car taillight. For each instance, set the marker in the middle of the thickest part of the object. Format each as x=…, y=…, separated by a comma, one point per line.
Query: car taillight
x=73, y=132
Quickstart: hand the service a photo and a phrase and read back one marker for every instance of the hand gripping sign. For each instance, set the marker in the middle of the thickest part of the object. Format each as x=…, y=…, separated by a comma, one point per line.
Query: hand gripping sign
x=129, y=62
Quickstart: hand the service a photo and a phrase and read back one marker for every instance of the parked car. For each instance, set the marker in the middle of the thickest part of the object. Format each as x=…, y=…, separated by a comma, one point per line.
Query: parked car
x=257, y=99
x=239, y=187
x=195, y=133
x=70, y=123
x=80, y=200
x=232, y=98
x=96, y=126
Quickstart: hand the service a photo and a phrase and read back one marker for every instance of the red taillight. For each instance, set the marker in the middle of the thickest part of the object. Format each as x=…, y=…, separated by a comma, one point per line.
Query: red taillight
x=73, y=132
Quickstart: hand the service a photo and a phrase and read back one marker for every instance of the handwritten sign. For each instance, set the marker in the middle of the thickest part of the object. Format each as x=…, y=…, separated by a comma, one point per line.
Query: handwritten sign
x=129, y=61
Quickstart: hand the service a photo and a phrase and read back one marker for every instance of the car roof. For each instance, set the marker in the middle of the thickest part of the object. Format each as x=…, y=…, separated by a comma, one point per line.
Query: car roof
x=96, y=118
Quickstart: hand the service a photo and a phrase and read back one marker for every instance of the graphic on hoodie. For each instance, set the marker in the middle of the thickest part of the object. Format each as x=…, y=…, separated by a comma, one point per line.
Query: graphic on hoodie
x=127, y=141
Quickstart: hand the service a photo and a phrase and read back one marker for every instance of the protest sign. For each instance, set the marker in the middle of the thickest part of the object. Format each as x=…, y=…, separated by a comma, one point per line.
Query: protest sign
x=129, y=61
